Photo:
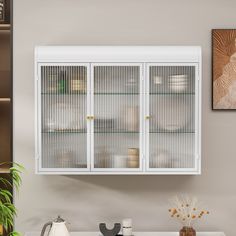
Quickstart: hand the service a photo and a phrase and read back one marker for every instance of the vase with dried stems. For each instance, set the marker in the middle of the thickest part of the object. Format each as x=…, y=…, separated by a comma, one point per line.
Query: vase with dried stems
x=187, y=210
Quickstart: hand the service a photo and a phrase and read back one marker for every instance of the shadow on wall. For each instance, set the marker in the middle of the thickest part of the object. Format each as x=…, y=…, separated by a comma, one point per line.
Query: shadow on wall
x=87, y=200
x=138, y=183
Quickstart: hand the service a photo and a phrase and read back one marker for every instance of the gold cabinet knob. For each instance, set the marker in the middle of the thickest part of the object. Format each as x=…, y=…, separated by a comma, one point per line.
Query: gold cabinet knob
x=90, y=117
x=147, y=117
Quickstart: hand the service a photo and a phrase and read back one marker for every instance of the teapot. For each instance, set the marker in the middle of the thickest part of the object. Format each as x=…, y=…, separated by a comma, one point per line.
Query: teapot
x=57, y=228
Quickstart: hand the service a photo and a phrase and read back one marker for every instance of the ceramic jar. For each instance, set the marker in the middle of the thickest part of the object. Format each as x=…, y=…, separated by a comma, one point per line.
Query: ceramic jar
x=133, y=158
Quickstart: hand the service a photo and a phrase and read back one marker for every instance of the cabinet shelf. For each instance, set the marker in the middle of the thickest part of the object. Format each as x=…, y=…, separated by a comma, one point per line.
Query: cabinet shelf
x=4, y=171
x=116, y=93
x=116, y=132
x=5, y=27
x=96, y=132
x=172, y=132
x=5, y=99
x=63, y=94
x=64, y=132
x=74, y=94
x=172, y=94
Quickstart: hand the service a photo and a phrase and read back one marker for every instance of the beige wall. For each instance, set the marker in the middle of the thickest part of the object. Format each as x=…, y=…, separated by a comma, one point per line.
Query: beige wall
x=86, y=201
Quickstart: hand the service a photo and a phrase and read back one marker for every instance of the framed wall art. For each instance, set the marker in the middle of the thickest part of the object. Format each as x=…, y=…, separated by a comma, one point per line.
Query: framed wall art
x=224, y=69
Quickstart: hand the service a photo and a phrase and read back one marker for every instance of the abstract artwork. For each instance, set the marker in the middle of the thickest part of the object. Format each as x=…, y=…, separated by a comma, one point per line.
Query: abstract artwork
x=224, y=69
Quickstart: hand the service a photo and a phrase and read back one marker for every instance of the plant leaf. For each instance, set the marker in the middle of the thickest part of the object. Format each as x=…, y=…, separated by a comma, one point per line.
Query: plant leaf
x=5, y=195
x=14, y=233
x=7, y=209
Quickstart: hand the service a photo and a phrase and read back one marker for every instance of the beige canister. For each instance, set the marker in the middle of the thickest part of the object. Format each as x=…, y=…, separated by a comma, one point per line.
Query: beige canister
x=133, y=158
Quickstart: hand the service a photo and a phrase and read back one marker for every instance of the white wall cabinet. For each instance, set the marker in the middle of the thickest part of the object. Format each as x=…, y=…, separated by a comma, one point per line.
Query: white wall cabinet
x=118, y=110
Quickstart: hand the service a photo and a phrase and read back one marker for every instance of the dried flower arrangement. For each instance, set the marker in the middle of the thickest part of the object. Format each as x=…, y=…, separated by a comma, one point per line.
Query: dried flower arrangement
x=187, y=210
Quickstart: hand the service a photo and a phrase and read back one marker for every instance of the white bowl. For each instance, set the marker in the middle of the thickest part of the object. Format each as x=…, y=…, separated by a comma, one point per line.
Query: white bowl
x=178, y=89
x=178, y=83
x=178, y=77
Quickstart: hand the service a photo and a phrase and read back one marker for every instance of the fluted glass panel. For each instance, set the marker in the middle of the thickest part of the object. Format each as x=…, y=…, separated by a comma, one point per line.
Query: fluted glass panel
x=116, y=110
x=172, y=124
x=64, y=109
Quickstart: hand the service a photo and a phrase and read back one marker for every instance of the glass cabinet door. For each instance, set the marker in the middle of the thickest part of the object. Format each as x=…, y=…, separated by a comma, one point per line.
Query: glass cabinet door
x=116, y=111
x=171, y=111
x=63, y=123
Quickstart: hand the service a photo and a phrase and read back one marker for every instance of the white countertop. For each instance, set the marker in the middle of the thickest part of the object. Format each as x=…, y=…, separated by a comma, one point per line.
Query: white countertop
x=136, y=234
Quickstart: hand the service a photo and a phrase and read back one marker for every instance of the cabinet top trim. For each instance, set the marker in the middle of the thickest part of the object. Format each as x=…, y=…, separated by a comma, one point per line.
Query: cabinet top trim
x=118, y=54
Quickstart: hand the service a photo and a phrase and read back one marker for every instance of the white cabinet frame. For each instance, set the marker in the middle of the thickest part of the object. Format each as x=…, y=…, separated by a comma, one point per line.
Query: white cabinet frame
x=142, y=56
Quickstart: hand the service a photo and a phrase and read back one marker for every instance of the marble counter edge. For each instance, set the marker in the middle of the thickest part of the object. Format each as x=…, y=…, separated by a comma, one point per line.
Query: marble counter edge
x=164, y=233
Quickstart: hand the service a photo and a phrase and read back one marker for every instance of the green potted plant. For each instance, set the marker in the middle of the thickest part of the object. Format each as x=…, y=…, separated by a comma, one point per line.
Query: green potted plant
x=7, y=209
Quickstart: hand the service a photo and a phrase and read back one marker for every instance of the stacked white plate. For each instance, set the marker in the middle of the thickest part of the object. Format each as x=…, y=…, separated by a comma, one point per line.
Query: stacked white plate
x=178, y=83
x=173, y=114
